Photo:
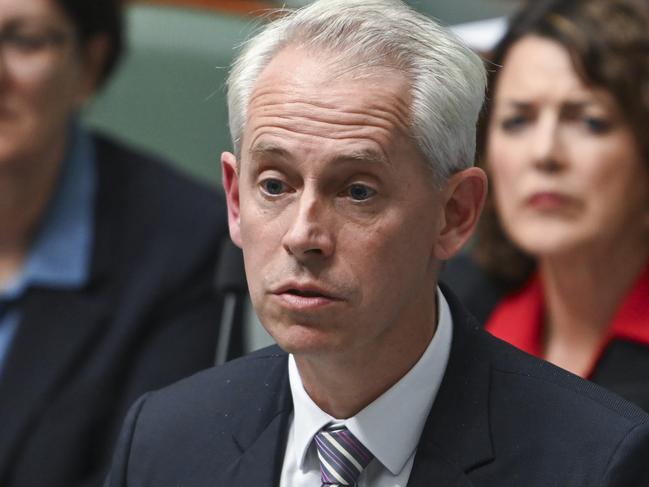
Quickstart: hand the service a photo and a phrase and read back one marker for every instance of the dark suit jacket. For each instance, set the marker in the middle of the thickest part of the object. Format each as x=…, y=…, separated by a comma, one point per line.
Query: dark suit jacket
x=623, y=367
x=148, y=317
x=501, y=418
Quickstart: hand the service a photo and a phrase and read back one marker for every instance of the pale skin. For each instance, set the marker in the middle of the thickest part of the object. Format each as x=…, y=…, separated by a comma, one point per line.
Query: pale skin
x=38, y=95
x=341, y=225
x=572, y=190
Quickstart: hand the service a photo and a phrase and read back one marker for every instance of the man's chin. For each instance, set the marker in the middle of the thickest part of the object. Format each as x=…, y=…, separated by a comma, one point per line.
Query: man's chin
x=306, y=340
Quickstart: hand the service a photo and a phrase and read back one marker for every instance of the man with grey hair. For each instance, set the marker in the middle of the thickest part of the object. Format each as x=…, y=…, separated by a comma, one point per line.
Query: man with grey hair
x=353, y=123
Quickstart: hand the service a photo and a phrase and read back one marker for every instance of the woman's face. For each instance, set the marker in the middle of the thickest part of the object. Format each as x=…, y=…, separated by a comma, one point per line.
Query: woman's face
x=566, y=171
x=43, y=80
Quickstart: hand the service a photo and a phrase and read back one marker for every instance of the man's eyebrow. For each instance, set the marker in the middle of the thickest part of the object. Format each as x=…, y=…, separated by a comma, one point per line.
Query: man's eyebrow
x=267, y=149
x=362, y=155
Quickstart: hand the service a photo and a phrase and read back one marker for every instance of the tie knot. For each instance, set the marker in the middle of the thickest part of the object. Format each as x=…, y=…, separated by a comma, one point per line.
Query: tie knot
x=342, y=456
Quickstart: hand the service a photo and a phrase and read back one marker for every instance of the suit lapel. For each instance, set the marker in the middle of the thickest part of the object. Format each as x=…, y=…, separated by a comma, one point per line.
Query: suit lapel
x=431, y=468
x=262, y=443
x=456, y=437
x=55, y=328
x=261, y=462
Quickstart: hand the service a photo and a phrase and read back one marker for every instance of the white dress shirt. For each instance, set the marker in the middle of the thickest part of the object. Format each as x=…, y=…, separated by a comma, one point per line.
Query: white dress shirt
x=389, y=427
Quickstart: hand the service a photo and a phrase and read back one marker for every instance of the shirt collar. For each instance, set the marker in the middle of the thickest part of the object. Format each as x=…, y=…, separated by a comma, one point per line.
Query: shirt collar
x=379, y=426
x=60, y=252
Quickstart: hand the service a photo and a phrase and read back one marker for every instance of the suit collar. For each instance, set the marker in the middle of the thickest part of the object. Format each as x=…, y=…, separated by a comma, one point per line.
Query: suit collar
x=261, y=434
x=392, y=443
x=261, y=462
x=456, y=437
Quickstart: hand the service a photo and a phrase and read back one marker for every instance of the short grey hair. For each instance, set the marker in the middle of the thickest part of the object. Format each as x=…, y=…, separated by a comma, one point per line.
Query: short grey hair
x=447, y=78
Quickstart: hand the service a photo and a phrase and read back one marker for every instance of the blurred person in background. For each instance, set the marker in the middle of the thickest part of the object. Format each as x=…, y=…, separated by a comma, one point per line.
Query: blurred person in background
x=107, y=256
x=565, y=235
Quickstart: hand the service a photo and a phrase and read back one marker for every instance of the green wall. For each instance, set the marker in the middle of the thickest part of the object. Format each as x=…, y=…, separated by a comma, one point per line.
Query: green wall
x=169, y=93
x=168, y=96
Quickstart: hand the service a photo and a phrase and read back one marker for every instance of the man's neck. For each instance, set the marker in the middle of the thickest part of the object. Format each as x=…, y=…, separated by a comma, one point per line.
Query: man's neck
x=342, y=384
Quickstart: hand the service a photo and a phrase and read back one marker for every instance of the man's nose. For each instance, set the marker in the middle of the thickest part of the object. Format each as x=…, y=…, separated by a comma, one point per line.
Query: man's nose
x=309, y=235
x=547, y=146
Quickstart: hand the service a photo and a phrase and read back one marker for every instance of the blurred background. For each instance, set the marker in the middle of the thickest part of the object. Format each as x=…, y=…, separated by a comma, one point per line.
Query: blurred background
x=168, y=96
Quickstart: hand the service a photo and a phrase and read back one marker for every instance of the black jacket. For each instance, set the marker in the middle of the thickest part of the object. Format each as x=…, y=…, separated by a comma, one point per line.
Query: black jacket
x=501, y=418
x=148, y=316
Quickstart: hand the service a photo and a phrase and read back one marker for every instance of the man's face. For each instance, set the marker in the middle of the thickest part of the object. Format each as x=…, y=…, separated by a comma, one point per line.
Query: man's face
x=335, y=210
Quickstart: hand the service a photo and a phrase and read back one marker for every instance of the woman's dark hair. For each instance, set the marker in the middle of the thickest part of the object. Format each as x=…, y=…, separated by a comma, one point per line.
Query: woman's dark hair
x=93, y=17
x=608, y=43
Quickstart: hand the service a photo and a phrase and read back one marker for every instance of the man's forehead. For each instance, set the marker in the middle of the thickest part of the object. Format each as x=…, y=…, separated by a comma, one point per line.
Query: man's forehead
x=297, y=110
x=298, y=85
x=306, y=68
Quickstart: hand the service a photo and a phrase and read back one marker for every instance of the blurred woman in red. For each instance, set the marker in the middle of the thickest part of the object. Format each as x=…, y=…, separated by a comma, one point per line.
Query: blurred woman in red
x=566, y=146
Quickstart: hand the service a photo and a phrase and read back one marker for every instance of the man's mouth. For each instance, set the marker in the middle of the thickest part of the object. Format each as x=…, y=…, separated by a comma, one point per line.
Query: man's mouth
x=303, y=297
x=305, y=293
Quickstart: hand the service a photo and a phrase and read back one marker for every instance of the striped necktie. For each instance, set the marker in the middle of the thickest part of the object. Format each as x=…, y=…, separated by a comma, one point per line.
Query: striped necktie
x=342, y=456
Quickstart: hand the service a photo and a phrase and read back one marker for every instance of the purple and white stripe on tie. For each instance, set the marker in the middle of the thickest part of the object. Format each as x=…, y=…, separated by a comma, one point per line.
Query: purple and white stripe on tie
x=342, y=456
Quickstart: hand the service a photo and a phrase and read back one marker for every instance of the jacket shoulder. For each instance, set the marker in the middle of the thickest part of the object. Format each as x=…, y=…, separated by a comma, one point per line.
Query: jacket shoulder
x=531, y=373
x=522, y=416
x=225, y=392
x=553, y=421
x=198, y=428
x=557, y=385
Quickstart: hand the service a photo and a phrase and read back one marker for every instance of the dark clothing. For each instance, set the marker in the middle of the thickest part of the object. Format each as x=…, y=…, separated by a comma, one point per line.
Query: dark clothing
x=147, y=317
x=622, y=359
x=500, y=418
x=623, y=362
x=624, y=369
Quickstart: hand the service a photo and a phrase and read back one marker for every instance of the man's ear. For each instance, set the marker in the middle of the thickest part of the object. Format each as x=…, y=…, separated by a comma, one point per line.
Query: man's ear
x=463, y=199
x=94, y=53
x=230, y=178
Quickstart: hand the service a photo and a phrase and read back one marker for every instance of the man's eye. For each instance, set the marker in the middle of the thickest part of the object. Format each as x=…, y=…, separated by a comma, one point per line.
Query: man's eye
x=360, y=192
x=273, y=186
